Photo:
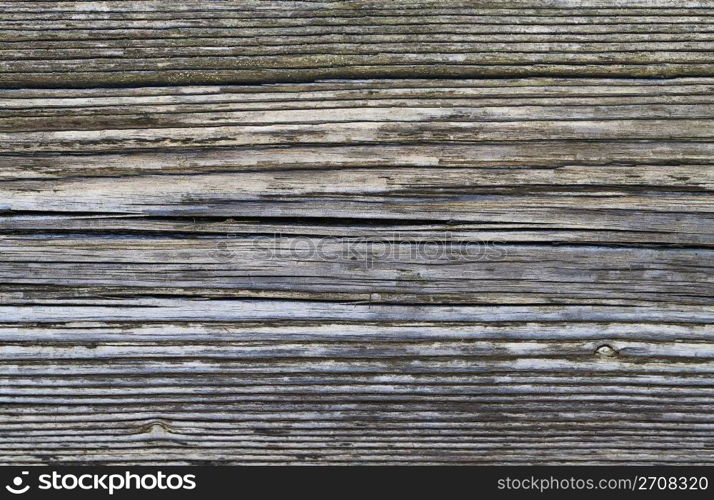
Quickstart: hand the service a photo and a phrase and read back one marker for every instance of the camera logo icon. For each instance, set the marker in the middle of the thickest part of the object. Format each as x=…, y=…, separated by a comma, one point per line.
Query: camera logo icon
x=16, y=488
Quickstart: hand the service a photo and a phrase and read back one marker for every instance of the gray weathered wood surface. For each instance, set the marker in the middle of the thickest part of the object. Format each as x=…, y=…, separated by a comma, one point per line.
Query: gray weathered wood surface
x=304, y=232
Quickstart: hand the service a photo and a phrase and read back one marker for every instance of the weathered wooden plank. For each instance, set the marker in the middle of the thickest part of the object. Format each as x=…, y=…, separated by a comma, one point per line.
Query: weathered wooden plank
x=89, y=44
x=433, y=272
x=424, y=266
x=428, y=156
x=414, y=115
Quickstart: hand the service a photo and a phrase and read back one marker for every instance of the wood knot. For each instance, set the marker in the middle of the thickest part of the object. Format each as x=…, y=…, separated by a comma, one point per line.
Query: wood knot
x=157, y=431
x=606, y=350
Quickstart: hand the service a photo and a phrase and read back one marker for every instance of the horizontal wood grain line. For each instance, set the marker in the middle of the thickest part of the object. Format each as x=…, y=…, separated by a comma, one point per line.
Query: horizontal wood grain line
x=588, y=42
x=369, y=386
x=427, y=69
x=252, y=446
x=404, y=443
x=136, y=9
x=156, y=456
x=351, y=418
x=59, y=11
x=163, y=309
x=358, y=16
x=269, y=390
x=140, y=6
x=600, y=365
x=456, y=350
x=223, y=426
x=342, y=331
x=418, y=233
x=268, y=432
x=444, y=24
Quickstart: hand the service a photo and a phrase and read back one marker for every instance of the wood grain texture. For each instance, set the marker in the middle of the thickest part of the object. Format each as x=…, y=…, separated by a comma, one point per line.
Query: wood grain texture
x=208, y=257
x=151, y=43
